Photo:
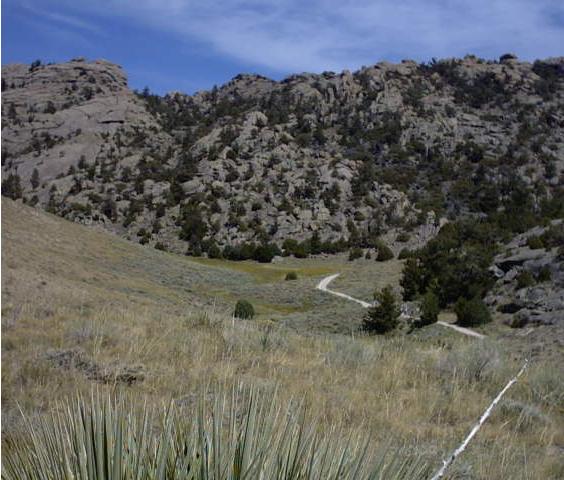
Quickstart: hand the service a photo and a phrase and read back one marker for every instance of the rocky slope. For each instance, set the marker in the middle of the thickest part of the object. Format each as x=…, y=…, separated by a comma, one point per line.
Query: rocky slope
x=386, y=150
x=530, y=271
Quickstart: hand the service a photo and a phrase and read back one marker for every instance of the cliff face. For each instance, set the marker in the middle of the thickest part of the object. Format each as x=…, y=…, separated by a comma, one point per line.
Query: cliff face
x=349, y=155
x=58, y=119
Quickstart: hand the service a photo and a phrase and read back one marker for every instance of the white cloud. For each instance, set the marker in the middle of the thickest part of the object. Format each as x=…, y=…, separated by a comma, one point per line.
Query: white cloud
x=316, y=35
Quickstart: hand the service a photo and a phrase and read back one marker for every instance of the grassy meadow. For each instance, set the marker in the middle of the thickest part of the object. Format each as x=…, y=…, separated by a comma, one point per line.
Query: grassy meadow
x=84, y=311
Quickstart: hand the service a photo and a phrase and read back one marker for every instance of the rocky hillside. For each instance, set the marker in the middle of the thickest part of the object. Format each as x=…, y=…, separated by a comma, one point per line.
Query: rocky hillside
x=530, y=278
x=334, y=159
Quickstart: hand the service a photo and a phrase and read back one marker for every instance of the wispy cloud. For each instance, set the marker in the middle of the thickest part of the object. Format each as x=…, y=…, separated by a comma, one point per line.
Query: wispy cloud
x=293, y=35
x=51, y=15
x=74, y=22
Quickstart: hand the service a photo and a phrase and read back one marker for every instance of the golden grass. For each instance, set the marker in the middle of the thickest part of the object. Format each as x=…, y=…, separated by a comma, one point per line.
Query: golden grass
x=424, y=391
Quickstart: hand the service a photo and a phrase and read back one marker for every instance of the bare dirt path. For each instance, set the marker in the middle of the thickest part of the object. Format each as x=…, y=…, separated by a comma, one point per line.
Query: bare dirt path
x=324, y=284
x=464, y=330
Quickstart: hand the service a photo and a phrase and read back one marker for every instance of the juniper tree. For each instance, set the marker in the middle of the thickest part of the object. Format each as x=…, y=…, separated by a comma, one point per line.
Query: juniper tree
x=384, y=316
x=34, y=179
x=429, y=309
x=410, y=279
x=11, y=187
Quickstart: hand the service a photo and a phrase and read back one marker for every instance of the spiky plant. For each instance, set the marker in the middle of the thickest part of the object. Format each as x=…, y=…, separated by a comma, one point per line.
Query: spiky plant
x=240, y=436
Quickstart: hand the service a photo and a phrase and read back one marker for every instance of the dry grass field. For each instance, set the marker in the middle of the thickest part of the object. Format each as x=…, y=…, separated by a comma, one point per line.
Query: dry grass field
x=84, y=310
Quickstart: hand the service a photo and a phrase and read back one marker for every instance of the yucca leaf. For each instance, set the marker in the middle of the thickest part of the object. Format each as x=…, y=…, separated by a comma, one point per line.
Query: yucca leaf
x=243, y=435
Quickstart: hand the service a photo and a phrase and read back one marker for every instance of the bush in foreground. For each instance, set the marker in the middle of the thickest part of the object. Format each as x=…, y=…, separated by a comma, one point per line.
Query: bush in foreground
x=470, y=313
x=244, y=309
x=242, y=435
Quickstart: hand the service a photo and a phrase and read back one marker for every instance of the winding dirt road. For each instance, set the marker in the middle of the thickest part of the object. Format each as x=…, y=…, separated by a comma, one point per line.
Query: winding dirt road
x=327, y=280
x=324, y=284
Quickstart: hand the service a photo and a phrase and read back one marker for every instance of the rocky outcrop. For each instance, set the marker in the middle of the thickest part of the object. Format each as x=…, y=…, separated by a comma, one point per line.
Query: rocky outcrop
x=77, y=360
x=530, y=286
x=61, y=116
x=343, y=155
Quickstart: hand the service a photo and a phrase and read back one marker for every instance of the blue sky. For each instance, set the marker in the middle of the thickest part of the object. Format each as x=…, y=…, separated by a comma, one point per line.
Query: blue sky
x=190, y=45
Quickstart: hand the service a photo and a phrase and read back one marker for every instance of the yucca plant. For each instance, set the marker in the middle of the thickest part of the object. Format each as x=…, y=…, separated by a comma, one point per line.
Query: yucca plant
x=240, y=436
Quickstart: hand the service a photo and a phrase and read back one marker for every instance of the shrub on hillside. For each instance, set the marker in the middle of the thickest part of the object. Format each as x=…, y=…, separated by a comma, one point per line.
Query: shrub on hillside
x=11, y=187
x=160, y=246
x=298, y=249
x=263, y=253
x=243, y=251
x=384, y=252
x=525, y=279
x=403, y=237
x=470, y=313
x=289, y=246
x=194, y=250
x=302, y=250
x=383, y=317
x=355, y=253
x=192, y=223
x=405, y=253
x=544, y=275
x=266, y=252
x=553, y=236
x=244, y=309
x=214, y=251
x=35, y=179
x=291, y=276
x=315, y=245
x=534, y=242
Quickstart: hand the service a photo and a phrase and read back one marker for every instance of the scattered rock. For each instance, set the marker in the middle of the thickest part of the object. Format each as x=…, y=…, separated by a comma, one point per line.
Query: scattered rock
x=76, y=359
x=534, y=305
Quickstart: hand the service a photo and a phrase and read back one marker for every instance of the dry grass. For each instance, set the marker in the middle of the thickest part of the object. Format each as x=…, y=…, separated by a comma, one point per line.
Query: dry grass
x=122, y=311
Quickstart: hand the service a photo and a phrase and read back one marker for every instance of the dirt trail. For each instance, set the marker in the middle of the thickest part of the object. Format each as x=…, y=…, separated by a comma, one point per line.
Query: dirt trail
x=464, y=330
x=327, y=280
x=323, y=286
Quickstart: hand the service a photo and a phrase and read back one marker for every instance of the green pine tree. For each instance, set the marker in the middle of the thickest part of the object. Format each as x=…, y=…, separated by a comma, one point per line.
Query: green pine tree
x=410, y=279
x=429, y=309
x=383, y=317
